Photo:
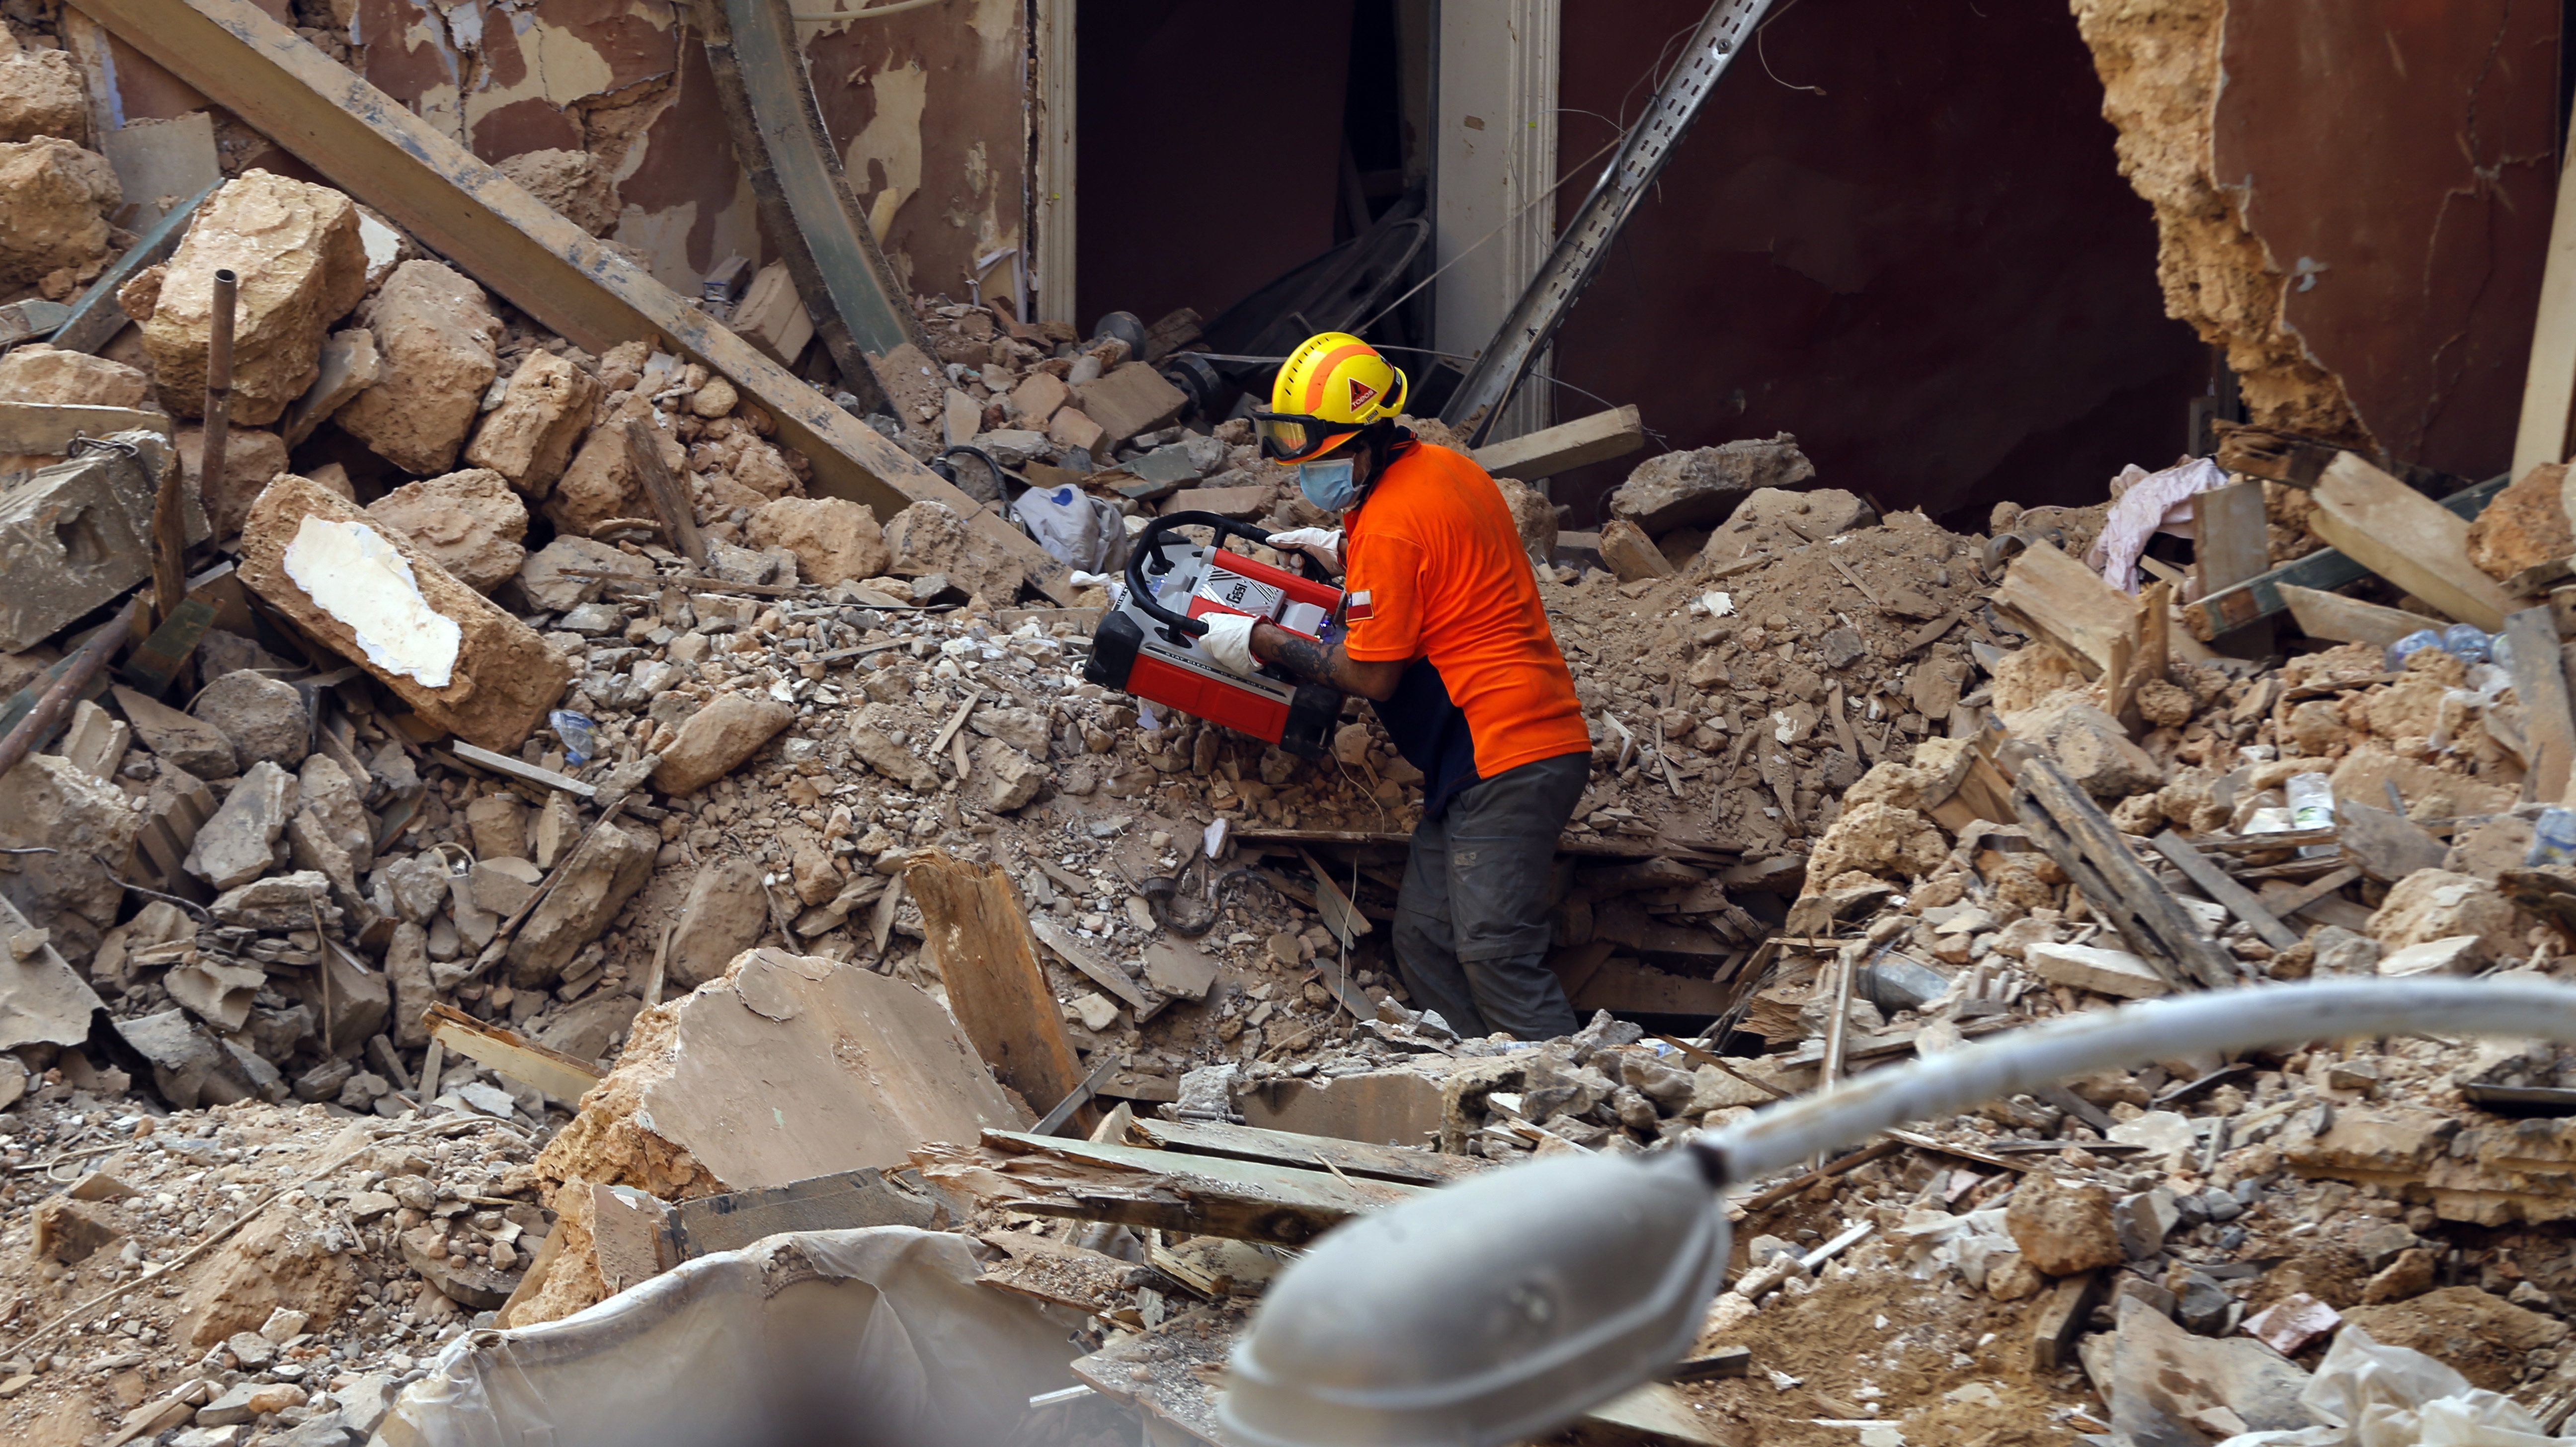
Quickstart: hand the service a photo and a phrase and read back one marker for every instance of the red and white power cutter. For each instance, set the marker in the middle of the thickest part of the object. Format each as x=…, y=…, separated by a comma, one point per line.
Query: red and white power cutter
x=1147, y=643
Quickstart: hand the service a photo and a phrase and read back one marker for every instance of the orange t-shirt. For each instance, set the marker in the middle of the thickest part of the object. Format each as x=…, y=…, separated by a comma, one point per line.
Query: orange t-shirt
x=1437, y=571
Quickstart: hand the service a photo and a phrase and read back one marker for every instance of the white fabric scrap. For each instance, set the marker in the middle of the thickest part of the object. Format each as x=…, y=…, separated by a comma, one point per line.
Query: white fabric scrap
x=2145, y=503
x=352, y=573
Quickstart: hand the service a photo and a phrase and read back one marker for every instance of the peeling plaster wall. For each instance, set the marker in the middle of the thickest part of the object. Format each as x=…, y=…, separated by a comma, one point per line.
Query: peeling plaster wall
x=2353, y=198
x=939, y=93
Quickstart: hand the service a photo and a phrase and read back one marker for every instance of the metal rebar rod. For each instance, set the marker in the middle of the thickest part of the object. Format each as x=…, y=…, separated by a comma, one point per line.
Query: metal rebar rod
x=58, y=700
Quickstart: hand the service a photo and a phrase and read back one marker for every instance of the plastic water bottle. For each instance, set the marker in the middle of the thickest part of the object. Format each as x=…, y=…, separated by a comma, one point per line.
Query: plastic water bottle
x=579, y=735
x=2421, y=638
x=2466, y=641
x=2312, y=806
x=2553, y=838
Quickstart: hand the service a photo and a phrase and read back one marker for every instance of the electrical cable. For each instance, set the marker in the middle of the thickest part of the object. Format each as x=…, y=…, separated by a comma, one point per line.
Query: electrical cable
x=2045, y=1054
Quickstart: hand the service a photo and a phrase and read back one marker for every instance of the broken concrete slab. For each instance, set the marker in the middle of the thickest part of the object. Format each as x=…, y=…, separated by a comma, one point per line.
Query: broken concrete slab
x=601, y=481
x=530, y=437
x=188, y=1067
x=604, y=873
x=296, y=250
x=443, y=648
x=43, y=1001
x=2116, y=973
x=928, y=537
x=437, y=339
x=469, y=522
x=1698, y=488
x=764, y=1046
x=544, y=580
x=1132, y=398
x=2163, y=1377
x=75, y=537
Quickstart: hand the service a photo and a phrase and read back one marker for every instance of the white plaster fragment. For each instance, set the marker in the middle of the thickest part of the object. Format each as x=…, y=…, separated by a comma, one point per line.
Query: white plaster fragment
x=353, y=574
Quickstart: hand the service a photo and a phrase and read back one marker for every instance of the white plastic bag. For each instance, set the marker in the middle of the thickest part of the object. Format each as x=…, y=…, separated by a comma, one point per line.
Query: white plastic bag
x=2371, y=1395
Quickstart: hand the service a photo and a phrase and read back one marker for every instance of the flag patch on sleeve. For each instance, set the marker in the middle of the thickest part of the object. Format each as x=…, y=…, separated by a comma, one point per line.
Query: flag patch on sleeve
x=1359, y=607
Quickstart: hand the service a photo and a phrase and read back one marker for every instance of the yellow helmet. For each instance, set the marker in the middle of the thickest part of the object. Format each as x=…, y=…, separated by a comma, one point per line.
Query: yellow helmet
x=1333, y=385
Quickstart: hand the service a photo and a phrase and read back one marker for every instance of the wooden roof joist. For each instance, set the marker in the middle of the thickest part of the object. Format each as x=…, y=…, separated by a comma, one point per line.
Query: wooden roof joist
x=365, y=142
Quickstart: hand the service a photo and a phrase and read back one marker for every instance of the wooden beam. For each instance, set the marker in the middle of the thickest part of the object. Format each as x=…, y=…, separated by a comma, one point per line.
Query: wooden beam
x=46, y=429
x=2071, y=829
x=2338, y=619
x=1108, y=977
x=371, y=145
x=979, y=937
x=1566, y=446
x=521, y=770
x=2549, y=379
x=2068, y=604
x=670, y=500
x=514, y=1055
x=2407, y=538
x=802, y=194
x=2221, y=886
x=2540, y=682
x=2259, y=597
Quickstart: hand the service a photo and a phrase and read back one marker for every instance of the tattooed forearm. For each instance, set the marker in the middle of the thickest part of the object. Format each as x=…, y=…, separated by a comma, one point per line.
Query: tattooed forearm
x=1325, y=664
x=1302, y=656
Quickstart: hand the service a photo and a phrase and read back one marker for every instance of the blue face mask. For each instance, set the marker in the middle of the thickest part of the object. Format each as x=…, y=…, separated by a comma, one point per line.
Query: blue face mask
x=1332, y=484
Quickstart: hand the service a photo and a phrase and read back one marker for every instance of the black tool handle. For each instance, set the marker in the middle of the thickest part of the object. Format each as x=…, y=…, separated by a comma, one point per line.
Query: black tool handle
x=1149, y=547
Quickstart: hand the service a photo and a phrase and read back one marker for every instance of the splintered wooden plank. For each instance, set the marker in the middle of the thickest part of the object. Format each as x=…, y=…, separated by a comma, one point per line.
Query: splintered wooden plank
x=2549, y=378
x=373, y=147
x=2338, y=619
x=1134, y=1186
x=2326, y=569
x=2540, y=681
x=1567, y=445
x=512, y=1054
x=1068, y=948
x=979, y=937
x=2407, y=538
x=2071, y=829
x=2068, y=604
x=2222, y=887
x=1404, y=1164
x=2234, y=544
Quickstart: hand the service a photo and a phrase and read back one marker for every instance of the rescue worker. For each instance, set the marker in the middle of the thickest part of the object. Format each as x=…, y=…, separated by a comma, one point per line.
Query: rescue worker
x=1444, y=633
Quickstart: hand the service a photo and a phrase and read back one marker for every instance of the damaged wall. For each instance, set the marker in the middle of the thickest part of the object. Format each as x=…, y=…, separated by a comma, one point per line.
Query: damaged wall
x=1914, y=252
x=2418, y=289
x=928, y=108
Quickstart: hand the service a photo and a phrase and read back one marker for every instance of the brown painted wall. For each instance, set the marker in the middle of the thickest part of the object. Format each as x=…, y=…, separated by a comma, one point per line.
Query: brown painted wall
x=1931, y=271
x=1210, y=140
x=2397, y=159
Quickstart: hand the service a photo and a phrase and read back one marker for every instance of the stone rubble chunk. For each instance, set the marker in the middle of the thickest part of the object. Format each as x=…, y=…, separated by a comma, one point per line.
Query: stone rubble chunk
x=1698, y=488
x=2063, y=1227
x=264, y=718
x=469, y=522
x=543, y=579
x=598, y=879
x=529, y=439
x=2436, y=904
x=40, y=94
x=437, y=339
x=504, y=677
x=725, y=913
x=2525, y=526
x=279, y=903
x=716, y=739
x=834, y=539
x=1132, y=398
x=81, y=822
x=54, y=200
x=577, y=184
x=296, y=249
x=252, y=456
x=873, y=747
x=601, y=481
x=1006, y=778
x=37, y=372
x=240, y=843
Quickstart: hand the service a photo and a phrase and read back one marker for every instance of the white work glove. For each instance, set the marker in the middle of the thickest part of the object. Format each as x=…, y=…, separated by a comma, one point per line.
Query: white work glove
x=1327, y=541
x=1228, y=640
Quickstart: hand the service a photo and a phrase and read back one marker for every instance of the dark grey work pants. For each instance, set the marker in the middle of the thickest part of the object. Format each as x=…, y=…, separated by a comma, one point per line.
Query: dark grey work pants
x=1471, y=923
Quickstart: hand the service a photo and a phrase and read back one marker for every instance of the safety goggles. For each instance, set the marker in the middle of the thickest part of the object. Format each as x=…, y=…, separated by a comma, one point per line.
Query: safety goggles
x=1294, y=437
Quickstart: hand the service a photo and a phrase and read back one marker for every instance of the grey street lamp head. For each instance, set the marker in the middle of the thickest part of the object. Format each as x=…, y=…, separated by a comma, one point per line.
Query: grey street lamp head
x=1490, y=1309
x=1504, y=1307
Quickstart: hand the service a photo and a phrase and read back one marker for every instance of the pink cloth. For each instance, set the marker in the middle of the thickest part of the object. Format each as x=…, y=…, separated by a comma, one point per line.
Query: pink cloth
x=2145, y=503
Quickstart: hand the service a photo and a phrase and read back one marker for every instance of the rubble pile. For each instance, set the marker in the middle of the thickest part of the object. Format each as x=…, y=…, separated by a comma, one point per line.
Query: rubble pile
x=518, y=887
